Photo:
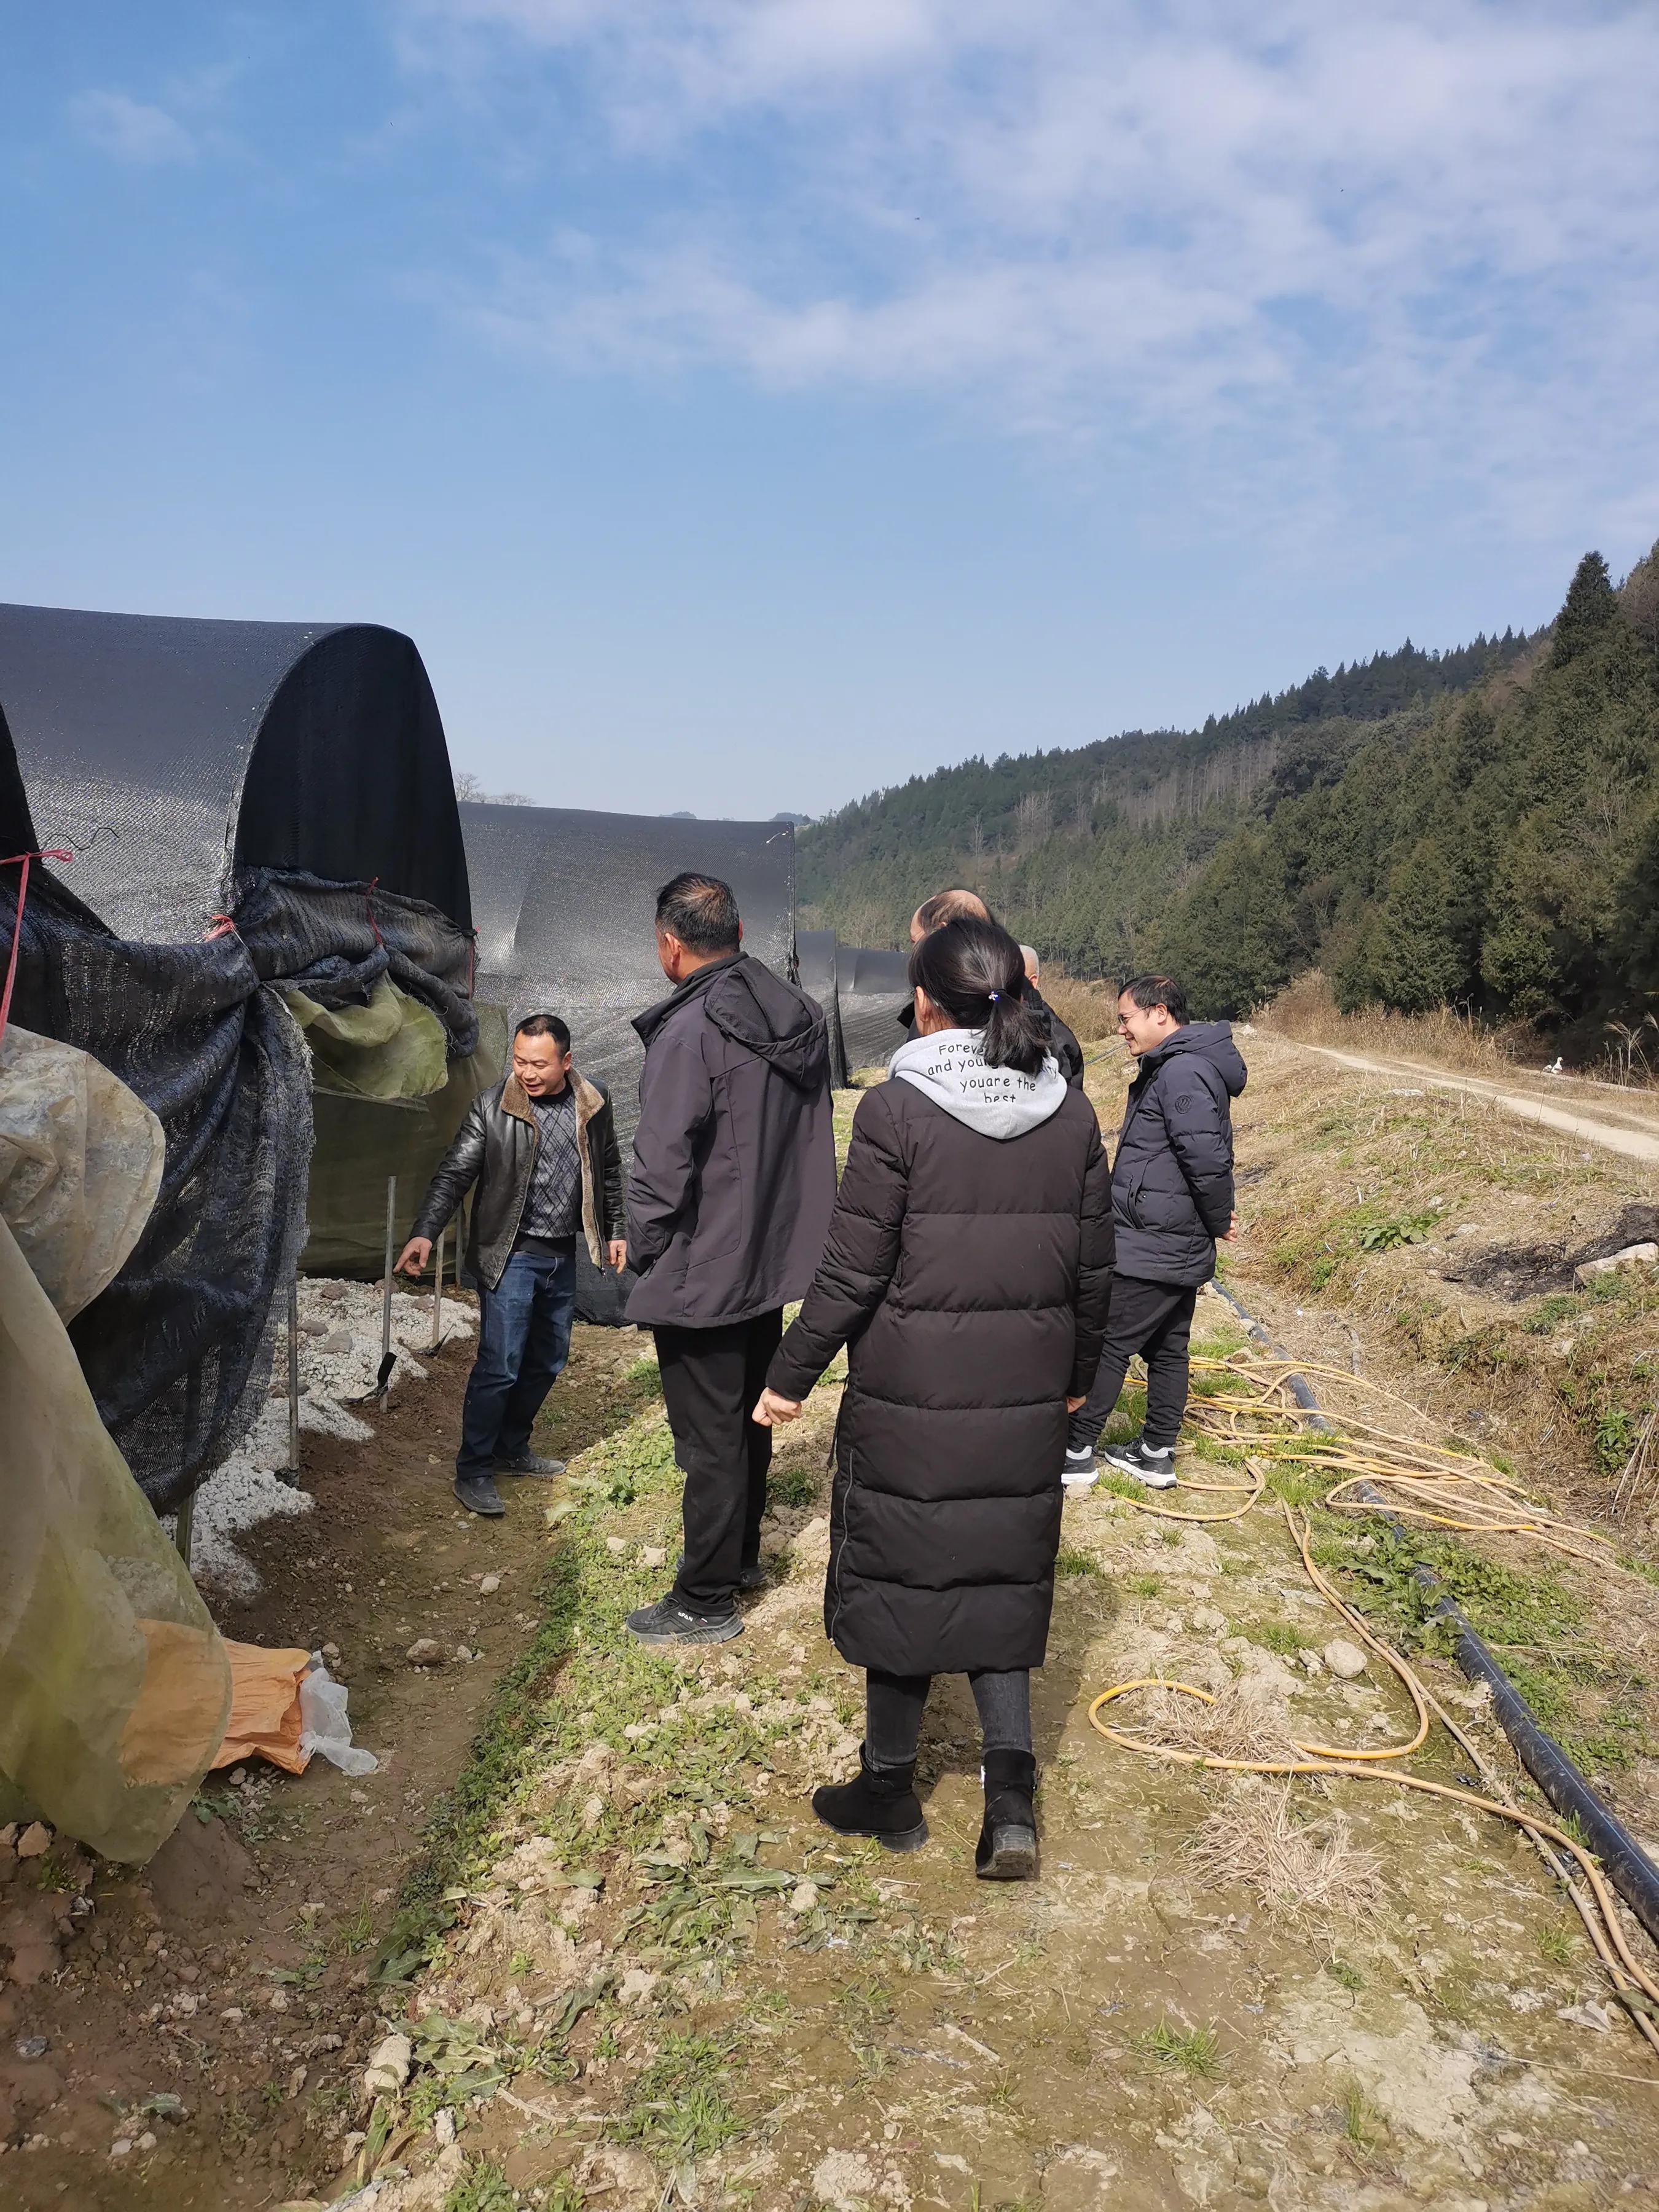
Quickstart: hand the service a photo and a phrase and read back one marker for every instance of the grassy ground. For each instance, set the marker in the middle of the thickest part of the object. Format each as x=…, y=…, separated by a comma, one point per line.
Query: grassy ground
x=659, y=1975
x=633, y=1968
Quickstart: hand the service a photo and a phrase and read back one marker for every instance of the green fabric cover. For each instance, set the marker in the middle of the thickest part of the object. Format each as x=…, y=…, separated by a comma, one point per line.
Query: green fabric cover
x=393, y=1047
x=362, y=1139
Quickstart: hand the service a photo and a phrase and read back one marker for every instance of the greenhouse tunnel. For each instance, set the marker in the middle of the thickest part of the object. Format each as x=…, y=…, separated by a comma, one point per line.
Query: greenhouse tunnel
x=873, y=990
x=246, y=805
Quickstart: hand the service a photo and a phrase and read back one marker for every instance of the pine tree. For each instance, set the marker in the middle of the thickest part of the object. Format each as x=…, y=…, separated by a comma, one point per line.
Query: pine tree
x=1589, y=606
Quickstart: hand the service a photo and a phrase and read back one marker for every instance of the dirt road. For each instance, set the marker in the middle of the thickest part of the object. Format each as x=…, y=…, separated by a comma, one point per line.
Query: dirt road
x=1630, y=1129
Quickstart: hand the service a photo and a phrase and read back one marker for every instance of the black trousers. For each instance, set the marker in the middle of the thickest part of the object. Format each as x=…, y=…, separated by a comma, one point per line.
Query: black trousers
x=894, y=1705
x=1156, y=1321
x=712, y=1379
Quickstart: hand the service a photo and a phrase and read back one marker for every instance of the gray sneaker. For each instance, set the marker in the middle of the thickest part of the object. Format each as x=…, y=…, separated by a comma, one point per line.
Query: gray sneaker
x=529, y=1463
x=669, y=1622
x=479, y=1495
x=1155, y=1468
x=1081, y=1469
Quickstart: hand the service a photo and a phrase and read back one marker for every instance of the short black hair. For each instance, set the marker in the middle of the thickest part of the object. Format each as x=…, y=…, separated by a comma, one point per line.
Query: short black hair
x=701, y=911
x=1150, y=991
x=545, y=1025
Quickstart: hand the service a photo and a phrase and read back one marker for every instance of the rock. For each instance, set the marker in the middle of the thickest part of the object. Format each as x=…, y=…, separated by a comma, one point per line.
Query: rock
x=1346, y=1661
x=1207, y=1618
x=146, y=2142
x=443, y=2127
x=334, y=1292
x=653, y=1555
x=804, y=1898
x=8, y=1839
x=464, y=1651
x=337, y=1340
x=35, y=1841
x=1632, y=1256
x=330, y=1650
x=1311, y=1662
x=616, y=1545
x=426, y=1651
x=121, y=2147
x=489, y=1585
x=314, y=1328
x=388, y=2067
x=635, y=1985
x=33, y=2047
x=845, y=2180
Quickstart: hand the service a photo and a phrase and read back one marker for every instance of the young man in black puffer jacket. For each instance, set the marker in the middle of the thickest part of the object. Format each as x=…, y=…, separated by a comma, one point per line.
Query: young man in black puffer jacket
x=1172, y=1201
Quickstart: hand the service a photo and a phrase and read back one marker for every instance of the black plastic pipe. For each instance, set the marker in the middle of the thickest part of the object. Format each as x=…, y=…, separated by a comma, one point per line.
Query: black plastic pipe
x=1631, y=1872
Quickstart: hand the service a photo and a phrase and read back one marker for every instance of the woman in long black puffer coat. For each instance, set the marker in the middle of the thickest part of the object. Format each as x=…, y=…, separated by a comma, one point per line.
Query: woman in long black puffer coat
x=967, y=1270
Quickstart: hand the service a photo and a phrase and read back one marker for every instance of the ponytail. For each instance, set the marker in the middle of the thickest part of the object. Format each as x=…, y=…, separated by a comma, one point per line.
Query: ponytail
x=974, y=971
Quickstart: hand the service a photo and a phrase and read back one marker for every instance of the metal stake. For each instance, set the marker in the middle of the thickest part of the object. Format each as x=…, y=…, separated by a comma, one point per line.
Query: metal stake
x=294, y=1374
x=438, y=1294
x=384, y=1383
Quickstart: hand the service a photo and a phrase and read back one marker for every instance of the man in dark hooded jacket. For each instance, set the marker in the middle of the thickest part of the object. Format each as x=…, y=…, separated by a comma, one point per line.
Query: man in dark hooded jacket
x=732, y=1188
x=1172, y=1199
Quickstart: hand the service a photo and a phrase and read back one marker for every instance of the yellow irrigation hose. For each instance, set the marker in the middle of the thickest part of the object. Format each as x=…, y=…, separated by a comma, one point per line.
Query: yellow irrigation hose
x=1322, y=1761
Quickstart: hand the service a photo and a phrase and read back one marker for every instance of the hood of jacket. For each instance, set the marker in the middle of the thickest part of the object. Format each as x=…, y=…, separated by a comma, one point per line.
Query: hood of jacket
x=1215, y=1040
x=748, y=1004
x=949, y=1067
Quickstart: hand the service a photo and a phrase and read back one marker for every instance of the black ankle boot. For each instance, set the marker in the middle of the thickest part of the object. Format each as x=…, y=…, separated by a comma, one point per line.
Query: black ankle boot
x=1008, y=1841
x=880, y=1802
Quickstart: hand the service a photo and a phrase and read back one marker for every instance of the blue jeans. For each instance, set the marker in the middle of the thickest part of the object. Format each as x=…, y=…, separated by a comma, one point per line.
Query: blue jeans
x=523, y=1341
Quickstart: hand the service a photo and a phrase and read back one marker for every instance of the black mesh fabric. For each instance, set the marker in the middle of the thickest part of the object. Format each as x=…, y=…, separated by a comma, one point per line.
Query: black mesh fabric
x=564, y=902
x=175, y=1351
x=195, y=769
x=874, y=988
x=817, y=965
x=333, y=940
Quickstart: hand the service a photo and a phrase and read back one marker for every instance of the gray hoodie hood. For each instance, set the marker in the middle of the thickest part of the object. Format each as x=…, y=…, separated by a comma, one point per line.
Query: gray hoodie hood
x=950, y=1068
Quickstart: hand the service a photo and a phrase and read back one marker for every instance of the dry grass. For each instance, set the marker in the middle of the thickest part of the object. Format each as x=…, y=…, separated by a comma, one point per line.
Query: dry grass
x=1302, y=1868
x=1247, y=1720
x=1307, y=1012
x=1448, y=1039
x=1090, y=1010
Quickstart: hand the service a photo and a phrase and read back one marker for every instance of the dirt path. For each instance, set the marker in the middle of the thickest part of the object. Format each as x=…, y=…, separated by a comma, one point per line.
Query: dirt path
x=236, y=1972
x=1629, y=1129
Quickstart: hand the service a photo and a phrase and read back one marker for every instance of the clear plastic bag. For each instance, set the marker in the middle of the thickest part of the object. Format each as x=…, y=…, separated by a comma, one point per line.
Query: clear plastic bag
x=324, y=1727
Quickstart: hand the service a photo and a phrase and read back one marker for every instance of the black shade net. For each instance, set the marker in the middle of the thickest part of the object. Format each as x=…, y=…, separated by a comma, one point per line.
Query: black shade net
x=874, y=989
x=250, y=806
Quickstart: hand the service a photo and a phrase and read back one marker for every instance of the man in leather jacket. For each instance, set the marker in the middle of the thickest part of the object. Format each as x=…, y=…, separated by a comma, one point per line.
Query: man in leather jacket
x=541, y=1149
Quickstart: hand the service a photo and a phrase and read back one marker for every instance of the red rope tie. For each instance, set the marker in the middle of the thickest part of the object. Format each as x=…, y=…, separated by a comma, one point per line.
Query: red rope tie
x=21, y=860
x=224, y=925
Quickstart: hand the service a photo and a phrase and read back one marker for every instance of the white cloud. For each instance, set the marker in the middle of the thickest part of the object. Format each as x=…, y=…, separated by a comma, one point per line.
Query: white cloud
x=1281, y=235
x=128, y=129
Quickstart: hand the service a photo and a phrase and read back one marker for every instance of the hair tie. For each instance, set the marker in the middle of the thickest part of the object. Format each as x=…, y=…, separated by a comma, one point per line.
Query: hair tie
x=993, y=996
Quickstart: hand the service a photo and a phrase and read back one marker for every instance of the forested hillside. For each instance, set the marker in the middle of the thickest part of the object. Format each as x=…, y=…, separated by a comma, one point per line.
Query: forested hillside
x=1479, y=828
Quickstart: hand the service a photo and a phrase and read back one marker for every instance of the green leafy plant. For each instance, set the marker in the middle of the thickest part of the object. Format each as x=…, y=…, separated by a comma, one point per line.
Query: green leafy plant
x=1195, y=2050
x=1402, y=1229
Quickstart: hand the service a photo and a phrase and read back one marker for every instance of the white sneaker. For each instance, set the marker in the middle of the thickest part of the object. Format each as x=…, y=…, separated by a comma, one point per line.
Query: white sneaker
x=1081, y=1471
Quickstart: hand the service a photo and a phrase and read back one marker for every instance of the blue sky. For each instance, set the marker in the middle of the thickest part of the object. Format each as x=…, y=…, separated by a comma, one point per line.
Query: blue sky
x=747, y=402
